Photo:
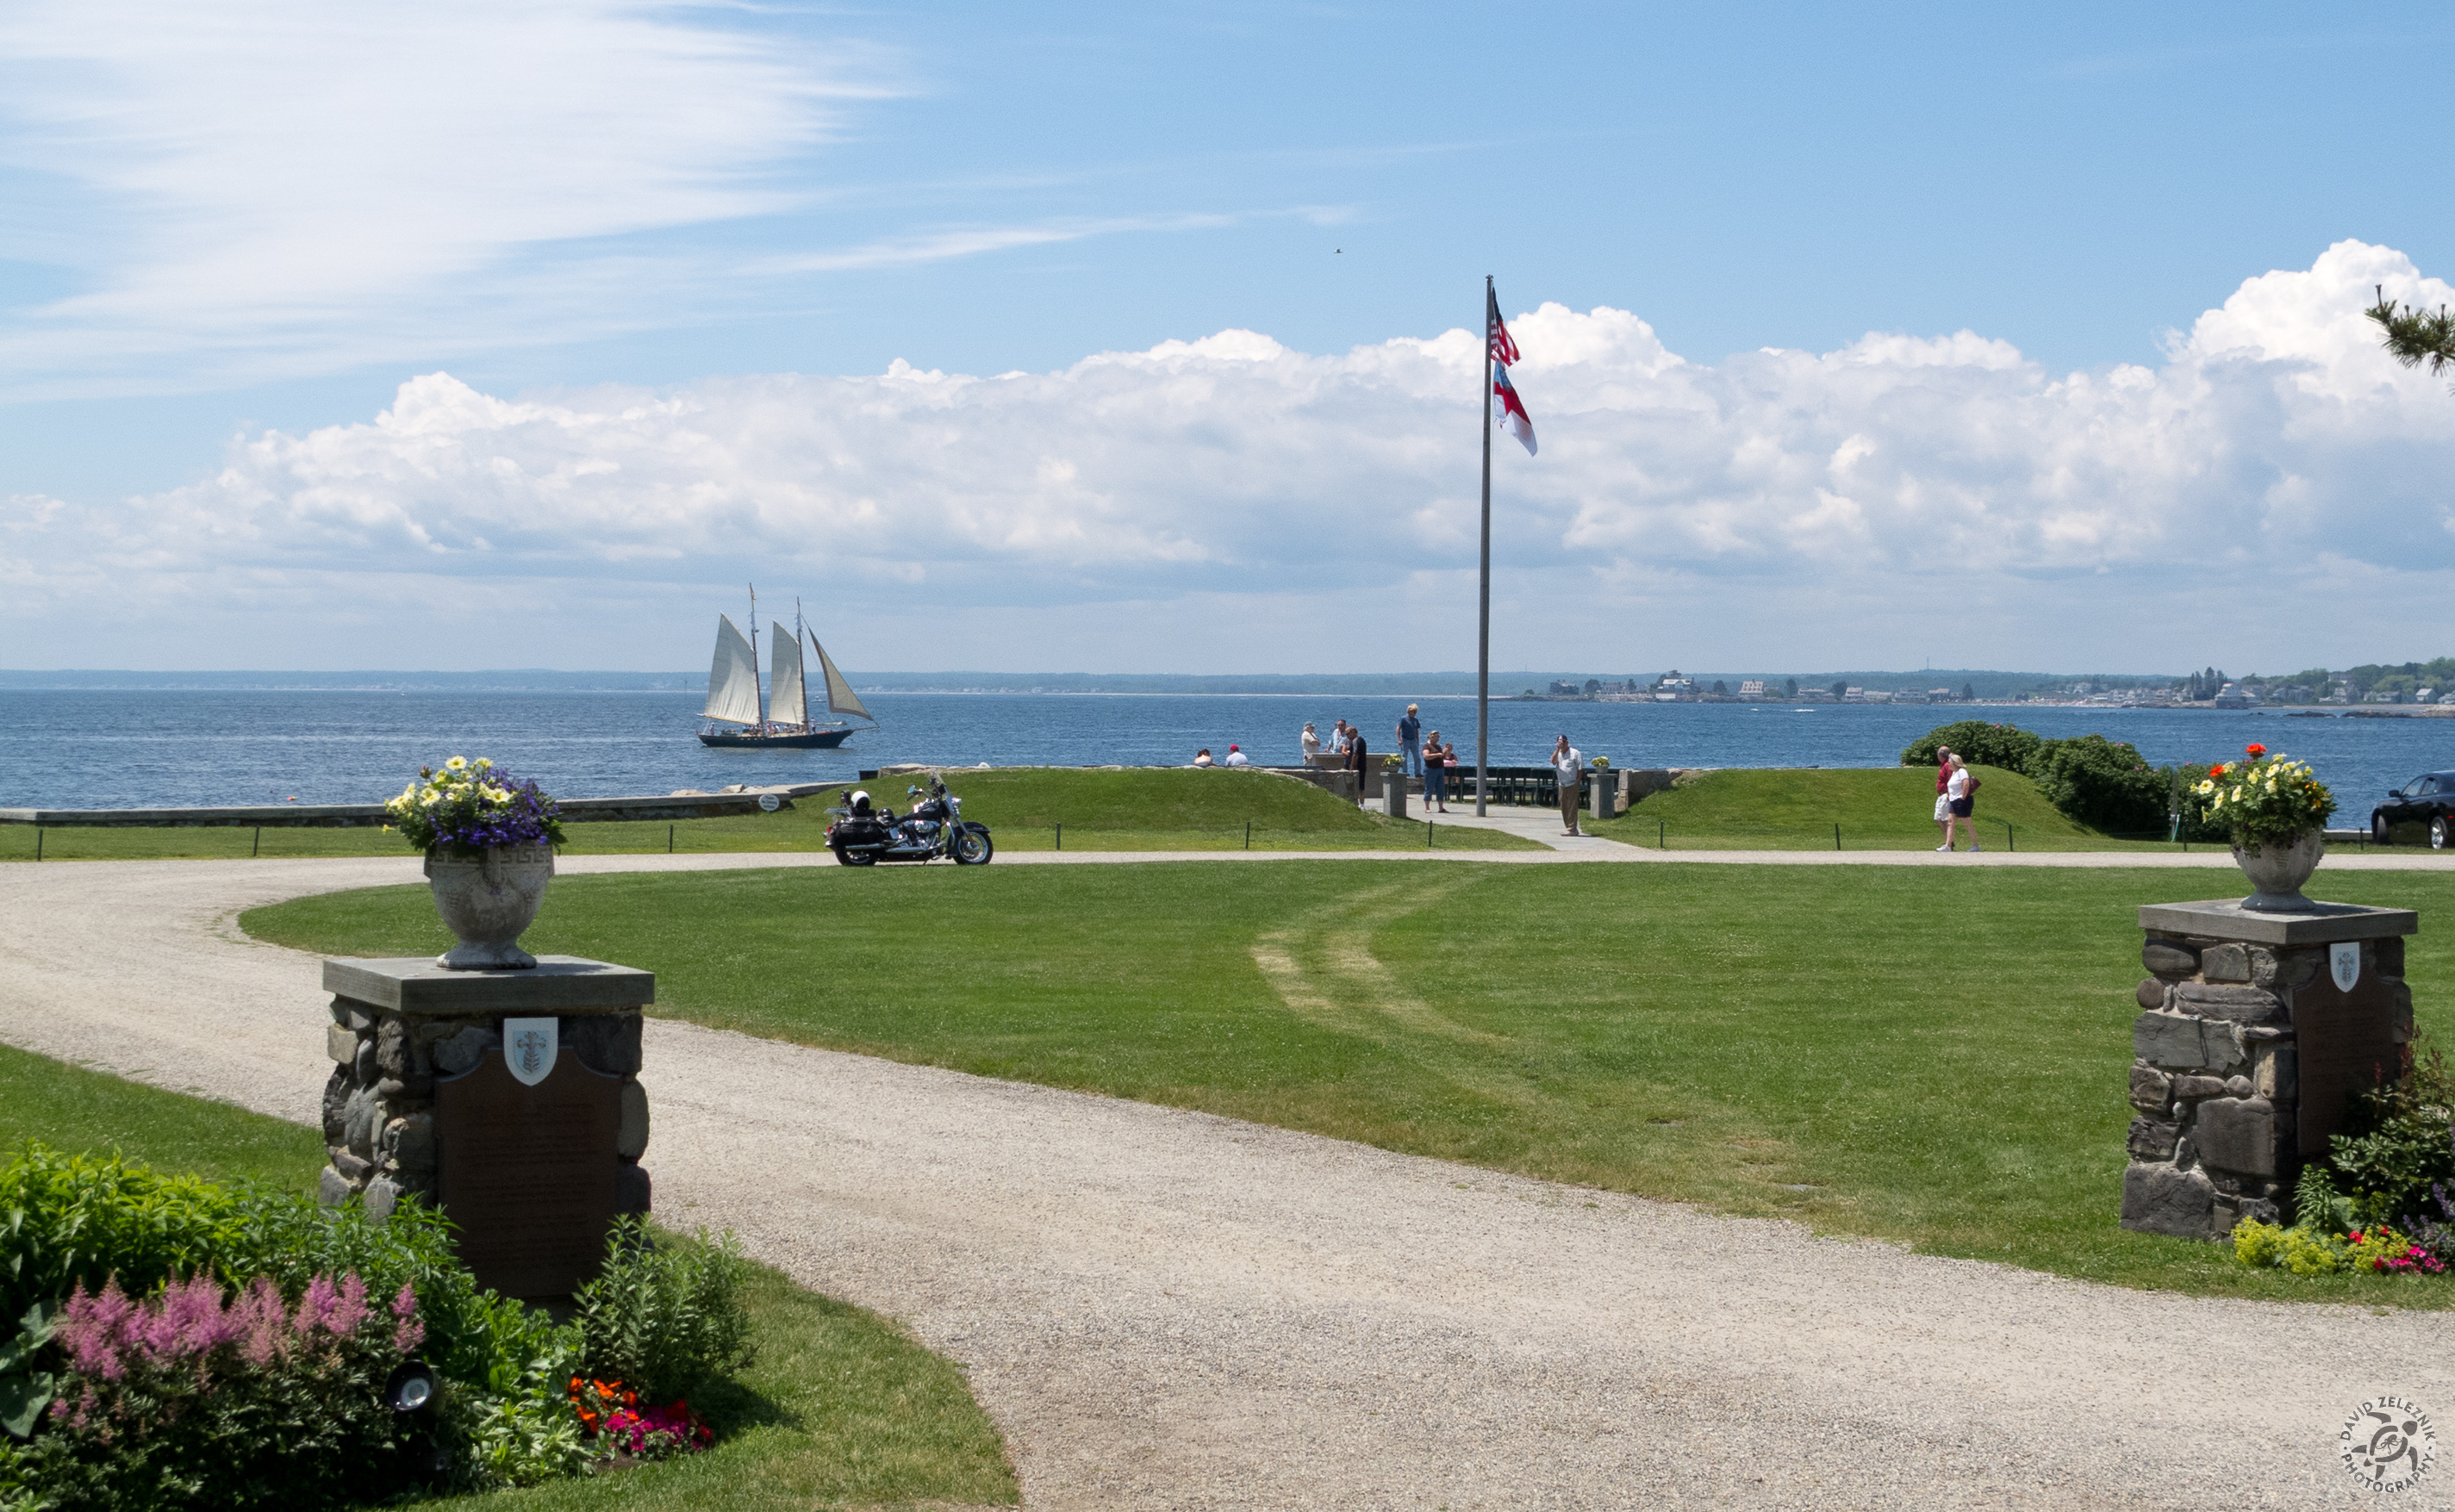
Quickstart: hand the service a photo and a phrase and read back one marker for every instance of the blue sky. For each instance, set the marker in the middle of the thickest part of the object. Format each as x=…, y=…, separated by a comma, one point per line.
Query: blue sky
x=229, y=236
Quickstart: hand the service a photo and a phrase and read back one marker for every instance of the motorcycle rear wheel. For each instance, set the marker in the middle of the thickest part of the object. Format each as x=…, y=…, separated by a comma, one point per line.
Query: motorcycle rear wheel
x=845, y=858
x=973, y=848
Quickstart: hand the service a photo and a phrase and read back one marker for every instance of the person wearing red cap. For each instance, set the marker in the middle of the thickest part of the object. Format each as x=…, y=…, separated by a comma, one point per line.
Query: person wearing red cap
x=1235, y=757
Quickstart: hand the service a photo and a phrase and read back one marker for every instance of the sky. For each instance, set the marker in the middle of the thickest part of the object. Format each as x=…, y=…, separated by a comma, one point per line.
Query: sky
x=1141, y=339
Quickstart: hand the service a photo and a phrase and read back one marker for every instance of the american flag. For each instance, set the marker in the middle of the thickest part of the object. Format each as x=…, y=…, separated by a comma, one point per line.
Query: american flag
x=1503, y=349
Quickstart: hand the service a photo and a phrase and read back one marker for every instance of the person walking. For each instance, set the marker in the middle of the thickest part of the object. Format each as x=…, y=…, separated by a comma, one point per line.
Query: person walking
x=1410, y=742
x=1310, y=741
x=1569, y=765
x=1436, y=773
x=1942, y=800
x=1962, y=792
x=1356, y=756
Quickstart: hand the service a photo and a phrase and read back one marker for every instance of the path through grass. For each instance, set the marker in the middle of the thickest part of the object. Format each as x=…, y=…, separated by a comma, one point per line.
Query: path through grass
x=1934, y=1056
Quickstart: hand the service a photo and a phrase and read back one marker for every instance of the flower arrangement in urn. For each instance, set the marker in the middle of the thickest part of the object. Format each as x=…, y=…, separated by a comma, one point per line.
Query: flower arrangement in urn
x=2278, y=812
x=488, y=840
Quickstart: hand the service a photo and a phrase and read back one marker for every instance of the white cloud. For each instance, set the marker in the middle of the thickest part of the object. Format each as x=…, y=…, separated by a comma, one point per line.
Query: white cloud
x=271, y=186
x=2270, y=493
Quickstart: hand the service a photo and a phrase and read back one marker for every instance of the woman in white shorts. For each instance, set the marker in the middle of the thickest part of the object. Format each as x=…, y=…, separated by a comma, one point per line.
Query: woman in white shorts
x=1944, y=803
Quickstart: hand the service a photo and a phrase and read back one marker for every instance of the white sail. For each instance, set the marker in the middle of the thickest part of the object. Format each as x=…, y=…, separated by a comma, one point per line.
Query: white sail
x=733, y=679
x=839, y=694
x=785, y=704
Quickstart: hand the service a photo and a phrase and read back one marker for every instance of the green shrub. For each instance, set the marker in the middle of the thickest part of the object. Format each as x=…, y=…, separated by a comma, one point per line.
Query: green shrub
x=2101, y=783
x=663, y=1319
x=2318, y=1205
x=85, y=1220
x=1979, y=743
x=189, y=1399
x=82, y=1220
x=2399, y=1143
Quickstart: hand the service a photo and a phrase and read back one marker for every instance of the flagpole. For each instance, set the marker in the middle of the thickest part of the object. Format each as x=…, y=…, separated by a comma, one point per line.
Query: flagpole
x=1483, y=617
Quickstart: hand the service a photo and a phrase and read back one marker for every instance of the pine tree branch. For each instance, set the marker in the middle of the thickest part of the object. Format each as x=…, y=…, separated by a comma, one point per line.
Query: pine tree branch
x=2414, y=338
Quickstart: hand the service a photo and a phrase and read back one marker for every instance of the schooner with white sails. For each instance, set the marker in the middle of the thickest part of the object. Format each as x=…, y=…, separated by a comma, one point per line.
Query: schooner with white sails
x=737, y=714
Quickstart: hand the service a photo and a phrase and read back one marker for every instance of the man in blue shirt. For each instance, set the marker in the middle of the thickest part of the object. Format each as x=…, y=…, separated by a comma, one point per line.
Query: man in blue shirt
x=1410, y=742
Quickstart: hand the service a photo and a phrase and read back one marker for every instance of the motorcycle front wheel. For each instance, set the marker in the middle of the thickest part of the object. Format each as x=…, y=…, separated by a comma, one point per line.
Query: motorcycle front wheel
x=845, y=858
x=972, y=848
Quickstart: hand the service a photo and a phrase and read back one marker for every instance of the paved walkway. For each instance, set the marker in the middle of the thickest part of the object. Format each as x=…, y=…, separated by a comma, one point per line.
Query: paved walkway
x=1170, y=1310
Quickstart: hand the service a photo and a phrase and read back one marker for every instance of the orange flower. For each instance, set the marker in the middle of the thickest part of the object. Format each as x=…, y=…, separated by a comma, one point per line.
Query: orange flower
x=2254, y=750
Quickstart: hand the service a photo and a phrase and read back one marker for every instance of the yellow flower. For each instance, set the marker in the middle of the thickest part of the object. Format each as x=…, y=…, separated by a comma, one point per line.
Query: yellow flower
x=459, y=764
x=485, y=763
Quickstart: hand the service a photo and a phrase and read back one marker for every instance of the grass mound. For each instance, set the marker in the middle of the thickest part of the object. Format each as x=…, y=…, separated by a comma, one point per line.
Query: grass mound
x=840, y=1408
x=1130, y=808
x=1877, y=808
x=1934, y=1056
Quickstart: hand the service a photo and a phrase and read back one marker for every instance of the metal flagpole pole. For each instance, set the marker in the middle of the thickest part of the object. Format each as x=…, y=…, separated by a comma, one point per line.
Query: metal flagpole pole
x=1483, y=619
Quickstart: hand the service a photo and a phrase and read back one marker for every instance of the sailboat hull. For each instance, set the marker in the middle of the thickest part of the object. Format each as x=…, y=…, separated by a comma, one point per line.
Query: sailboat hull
x=785, y=741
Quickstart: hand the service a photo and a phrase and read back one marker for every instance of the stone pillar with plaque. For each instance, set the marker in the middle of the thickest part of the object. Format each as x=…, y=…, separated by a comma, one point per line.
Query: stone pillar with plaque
x=509, y=1099
x=2256, y=1032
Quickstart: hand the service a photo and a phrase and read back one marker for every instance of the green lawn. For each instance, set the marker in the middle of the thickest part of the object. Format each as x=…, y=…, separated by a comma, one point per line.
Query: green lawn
x=1938, y=1058
x=1877, y=809
x=841, y=1408
x=1129, y=809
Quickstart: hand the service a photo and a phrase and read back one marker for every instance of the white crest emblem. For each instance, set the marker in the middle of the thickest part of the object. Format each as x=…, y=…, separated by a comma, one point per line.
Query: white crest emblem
x=529, y=1046
x=2344, y=964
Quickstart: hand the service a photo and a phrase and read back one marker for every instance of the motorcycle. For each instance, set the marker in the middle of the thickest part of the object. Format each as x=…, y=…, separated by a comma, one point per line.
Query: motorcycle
x=864, y=834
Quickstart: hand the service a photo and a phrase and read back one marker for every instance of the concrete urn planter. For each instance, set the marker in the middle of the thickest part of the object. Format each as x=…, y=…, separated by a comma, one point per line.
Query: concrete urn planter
x=488, y=903
x=2277, y=869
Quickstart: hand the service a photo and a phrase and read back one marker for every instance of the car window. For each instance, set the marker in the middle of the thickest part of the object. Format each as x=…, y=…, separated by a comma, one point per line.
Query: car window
x=2414, y=788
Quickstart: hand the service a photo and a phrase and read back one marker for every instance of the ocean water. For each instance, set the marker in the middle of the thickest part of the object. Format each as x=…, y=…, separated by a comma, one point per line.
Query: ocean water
x=119, y=749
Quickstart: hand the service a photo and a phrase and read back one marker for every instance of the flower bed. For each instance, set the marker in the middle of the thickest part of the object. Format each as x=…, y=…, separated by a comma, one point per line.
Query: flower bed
x=2384, y=1200
x=171, y=1341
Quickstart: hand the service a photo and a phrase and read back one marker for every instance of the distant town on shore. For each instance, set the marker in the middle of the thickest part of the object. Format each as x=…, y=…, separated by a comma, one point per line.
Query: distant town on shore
x=2413, y=682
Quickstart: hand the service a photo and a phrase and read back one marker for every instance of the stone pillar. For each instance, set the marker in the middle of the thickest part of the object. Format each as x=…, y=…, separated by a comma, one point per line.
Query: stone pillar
x=2247, y=1052
x=421, y=1099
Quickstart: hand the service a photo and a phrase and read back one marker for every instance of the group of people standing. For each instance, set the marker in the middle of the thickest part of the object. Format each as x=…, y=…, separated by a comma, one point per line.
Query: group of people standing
x=1419, y=756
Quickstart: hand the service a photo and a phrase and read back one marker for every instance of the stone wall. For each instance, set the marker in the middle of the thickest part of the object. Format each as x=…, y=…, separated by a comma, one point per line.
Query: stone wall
x=2217, y=1076
x=380, y=1127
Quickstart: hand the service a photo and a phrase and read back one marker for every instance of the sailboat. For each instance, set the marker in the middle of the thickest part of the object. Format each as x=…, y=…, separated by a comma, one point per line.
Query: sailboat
x=734, y=711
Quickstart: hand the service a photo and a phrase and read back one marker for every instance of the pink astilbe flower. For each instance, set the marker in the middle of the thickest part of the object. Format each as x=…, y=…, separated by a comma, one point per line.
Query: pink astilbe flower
x=263, y=1321
x=190, y=1322
x=316, y=1307
x=94, y=1330
x=350, y=1310
x=411, y=1333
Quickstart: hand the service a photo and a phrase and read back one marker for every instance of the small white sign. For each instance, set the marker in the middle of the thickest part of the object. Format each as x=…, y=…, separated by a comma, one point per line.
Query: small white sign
x=2344, y=964
x=769, y=803
x=529, y=1046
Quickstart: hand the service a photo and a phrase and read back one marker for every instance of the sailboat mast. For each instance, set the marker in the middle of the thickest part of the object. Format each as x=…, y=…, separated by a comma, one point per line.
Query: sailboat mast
x=797, y=655
x=754, y=655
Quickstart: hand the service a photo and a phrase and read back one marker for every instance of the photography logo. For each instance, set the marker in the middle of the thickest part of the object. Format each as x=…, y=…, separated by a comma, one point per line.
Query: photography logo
x=2387, y=1444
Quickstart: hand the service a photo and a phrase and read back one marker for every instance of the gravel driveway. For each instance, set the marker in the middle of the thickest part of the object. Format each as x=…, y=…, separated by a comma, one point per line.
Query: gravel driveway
x=1166, y=1309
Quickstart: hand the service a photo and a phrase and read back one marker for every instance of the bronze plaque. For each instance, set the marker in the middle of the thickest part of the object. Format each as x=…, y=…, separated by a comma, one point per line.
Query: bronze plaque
x=2347, y=1041
x=528, y=1173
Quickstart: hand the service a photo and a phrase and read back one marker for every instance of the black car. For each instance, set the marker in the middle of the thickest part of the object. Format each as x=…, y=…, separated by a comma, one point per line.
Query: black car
x=2426, y=802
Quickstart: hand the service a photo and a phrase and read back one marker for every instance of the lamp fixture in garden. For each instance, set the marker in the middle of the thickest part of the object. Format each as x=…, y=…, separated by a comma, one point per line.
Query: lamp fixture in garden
x=488, y=840
x=2277, y=811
